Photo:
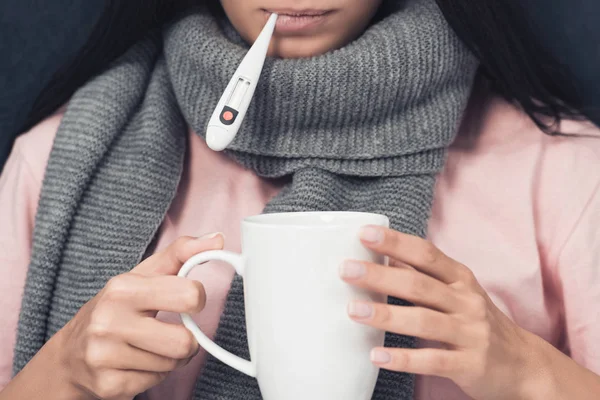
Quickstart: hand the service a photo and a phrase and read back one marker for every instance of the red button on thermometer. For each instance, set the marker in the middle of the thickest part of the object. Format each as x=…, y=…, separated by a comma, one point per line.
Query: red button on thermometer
x=231, y=110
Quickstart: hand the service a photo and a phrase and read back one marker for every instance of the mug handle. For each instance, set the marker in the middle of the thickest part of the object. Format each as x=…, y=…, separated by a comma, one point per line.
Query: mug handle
x=235, y=260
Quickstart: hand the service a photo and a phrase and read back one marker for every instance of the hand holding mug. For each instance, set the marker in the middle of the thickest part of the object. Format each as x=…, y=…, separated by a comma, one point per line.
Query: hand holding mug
x=485, y=353
x=114, y=348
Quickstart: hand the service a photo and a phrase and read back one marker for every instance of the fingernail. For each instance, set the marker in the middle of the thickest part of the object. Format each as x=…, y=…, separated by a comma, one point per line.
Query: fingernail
x=380, y=356
x=352, y=270
x=209, y=236
x=360, y=310
x=371, y=234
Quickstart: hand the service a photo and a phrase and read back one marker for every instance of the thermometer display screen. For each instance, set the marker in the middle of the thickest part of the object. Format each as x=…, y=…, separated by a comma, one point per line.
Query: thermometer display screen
x=239, y=93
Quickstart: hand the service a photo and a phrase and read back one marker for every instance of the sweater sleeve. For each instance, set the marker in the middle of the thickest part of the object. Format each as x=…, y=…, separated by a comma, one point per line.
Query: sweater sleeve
x=19, y=192
x=20, y=187
x=579, y=274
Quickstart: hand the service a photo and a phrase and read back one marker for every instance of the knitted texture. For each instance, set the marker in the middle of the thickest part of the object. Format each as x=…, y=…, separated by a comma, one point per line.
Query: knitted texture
x=363, y=128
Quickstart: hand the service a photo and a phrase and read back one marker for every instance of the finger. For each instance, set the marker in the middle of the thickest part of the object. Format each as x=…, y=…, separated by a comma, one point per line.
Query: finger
x=168, y=340
x=156, y=293
x=403, y=283
x=437, y=362
x=419, y=322
x=170, y=260
x=414, y=251
x=120, y=355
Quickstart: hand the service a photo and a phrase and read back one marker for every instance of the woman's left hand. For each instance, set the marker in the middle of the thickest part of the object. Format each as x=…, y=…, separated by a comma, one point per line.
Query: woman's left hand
x=486, y=354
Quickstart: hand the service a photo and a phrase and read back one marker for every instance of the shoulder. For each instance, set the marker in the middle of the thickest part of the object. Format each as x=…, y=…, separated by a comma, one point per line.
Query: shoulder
x=493, y=124
x=571, y=159
x=496, y=128
x=34, y=146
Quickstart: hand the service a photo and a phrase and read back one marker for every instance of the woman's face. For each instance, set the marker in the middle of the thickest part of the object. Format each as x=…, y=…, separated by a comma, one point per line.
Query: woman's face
x=305, y=27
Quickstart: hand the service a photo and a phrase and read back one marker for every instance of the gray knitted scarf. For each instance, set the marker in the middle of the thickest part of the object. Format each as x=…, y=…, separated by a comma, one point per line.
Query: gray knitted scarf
x=362, y=128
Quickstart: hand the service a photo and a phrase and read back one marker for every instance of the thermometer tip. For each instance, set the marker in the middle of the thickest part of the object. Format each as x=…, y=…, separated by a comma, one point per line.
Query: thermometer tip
x=217, y=138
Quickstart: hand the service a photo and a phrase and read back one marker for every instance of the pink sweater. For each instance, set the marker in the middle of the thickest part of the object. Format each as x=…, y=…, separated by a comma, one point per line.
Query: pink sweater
x=521, y=209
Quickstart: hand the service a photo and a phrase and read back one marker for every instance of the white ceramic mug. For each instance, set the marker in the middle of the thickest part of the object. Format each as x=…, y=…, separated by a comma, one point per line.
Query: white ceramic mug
x=302, y=343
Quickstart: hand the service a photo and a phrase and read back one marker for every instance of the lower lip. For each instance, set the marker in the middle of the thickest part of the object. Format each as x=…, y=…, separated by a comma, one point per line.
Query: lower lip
x=298, y=24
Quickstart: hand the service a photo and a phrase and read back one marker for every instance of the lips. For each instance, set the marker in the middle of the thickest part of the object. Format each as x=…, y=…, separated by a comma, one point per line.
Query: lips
x=298, y=21
x=297, y=13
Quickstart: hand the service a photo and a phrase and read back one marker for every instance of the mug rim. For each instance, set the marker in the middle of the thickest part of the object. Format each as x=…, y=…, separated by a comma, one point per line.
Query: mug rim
x=266, y=220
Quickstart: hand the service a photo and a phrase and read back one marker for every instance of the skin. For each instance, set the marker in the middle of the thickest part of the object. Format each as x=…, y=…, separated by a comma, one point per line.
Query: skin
x=486, y=354
x=347, y=20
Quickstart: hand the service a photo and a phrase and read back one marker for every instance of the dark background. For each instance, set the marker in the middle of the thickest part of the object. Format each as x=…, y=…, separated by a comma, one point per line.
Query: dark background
x=36, y=37
x=571, y=30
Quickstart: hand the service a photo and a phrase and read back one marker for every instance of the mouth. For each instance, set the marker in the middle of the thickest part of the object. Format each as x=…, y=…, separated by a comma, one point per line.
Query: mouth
x=298, y=21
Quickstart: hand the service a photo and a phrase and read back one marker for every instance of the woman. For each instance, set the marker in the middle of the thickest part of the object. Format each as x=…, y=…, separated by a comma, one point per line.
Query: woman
x=117, y=190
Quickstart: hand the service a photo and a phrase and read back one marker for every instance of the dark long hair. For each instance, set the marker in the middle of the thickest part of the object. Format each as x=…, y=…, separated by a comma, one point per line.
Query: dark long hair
x=497, y=31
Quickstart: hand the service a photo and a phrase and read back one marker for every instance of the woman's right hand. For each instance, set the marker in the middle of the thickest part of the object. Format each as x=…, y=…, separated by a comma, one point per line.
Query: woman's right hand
x=114, y=348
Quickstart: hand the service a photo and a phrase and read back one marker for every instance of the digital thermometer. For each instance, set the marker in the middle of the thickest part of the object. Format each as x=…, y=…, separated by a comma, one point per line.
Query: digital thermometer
x=231, y=109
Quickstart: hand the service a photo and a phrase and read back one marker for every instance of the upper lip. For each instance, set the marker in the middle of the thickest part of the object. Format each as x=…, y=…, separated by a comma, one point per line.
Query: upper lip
x=298, y=13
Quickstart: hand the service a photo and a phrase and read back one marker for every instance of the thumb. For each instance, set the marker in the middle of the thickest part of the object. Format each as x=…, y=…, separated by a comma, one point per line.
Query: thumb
x=170, y=260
